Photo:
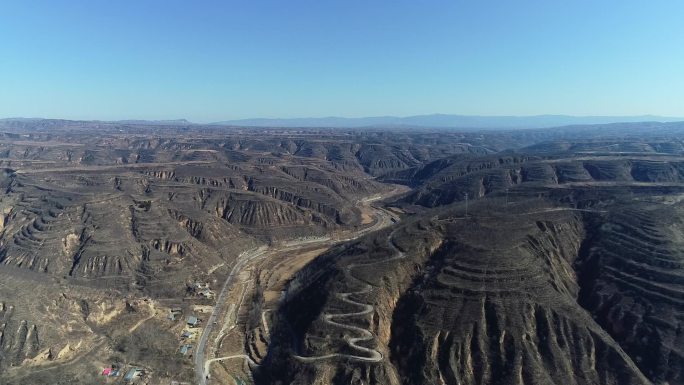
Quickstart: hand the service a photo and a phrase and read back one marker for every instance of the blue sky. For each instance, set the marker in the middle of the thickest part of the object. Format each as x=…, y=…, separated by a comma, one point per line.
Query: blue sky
x=216, y=60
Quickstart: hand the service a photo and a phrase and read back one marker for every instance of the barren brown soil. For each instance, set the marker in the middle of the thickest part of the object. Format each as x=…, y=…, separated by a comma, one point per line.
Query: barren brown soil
x=341, y=256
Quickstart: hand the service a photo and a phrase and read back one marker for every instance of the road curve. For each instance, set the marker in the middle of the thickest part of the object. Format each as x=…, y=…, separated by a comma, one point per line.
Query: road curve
x=244, y=356
x=372, y=355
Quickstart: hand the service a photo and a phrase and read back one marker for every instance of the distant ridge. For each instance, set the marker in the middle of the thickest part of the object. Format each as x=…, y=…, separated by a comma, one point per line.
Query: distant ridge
x=448, y=121
x=126, y=121
x=154, y=122
x=437, y=121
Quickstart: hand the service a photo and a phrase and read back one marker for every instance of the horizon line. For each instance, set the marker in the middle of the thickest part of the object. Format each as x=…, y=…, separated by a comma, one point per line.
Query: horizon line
x=437, y=114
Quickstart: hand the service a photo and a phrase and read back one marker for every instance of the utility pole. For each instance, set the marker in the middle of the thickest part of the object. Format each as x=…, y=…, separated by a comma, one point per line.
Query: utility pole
x=466, y=199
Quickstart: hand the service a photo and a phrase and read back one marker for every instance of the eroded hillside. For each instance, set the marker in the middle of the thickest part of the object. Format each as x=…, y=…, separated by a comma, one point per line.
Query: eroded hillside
x=320, y=256
x=567, y=269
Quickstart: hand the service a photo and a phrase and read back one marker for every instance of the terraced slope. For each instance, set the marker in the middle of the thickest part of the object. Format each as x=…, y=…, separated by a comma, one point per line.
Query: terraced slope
x=134, y=226
x=567, y=268
x=499, y=306
x=447, y=181
x=44, y=144
x=632, y=280
x=527, y=294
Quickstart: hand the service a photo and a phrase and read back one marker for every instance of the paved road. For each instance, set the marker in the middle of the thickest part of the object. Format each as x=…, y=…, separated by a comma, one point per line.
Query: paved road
x=220, y=302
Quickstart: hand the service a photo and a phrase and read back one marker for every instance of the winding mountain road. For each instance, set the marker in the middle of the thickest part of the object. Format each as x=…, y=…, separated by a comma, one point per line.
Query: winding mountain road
x=372, y=355
x=382, y=219
x=366, y=335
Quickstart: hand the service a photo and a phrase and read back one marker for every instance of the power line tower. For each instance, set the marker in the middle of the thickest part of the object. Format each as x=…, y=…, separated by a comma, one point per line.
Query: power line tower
x=466, y=200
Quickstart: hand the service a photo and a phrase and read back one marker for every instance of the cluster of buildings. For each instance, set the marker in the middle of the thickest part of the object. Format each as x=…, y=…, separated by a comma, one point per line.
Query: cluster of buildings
x=134, y=374
x=111, y=371
x=187, y=334
x=202, y=290
x=192, y=322
x=131, y=375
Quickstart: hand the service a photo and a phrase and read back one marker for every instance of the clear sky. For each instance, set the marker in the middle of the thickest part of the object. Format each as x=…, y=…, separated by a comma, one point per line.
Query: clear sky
x=214, y=60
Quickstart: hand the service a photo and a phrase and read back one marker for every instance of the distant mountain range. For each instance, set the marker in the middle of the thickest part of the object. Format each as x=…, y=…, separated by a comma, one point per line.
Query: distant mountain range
x=448, y=121
x=128, y=121
x=463, y=122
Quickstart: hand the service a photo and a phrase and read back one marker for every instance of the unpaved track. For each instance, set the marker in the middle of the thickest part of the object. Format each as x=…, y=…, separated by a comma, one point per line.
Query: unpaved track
x=265, y=322
x=372, y=355
x=81, y=168
x=244, y=356
x=550, y=210
x=153, y=312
